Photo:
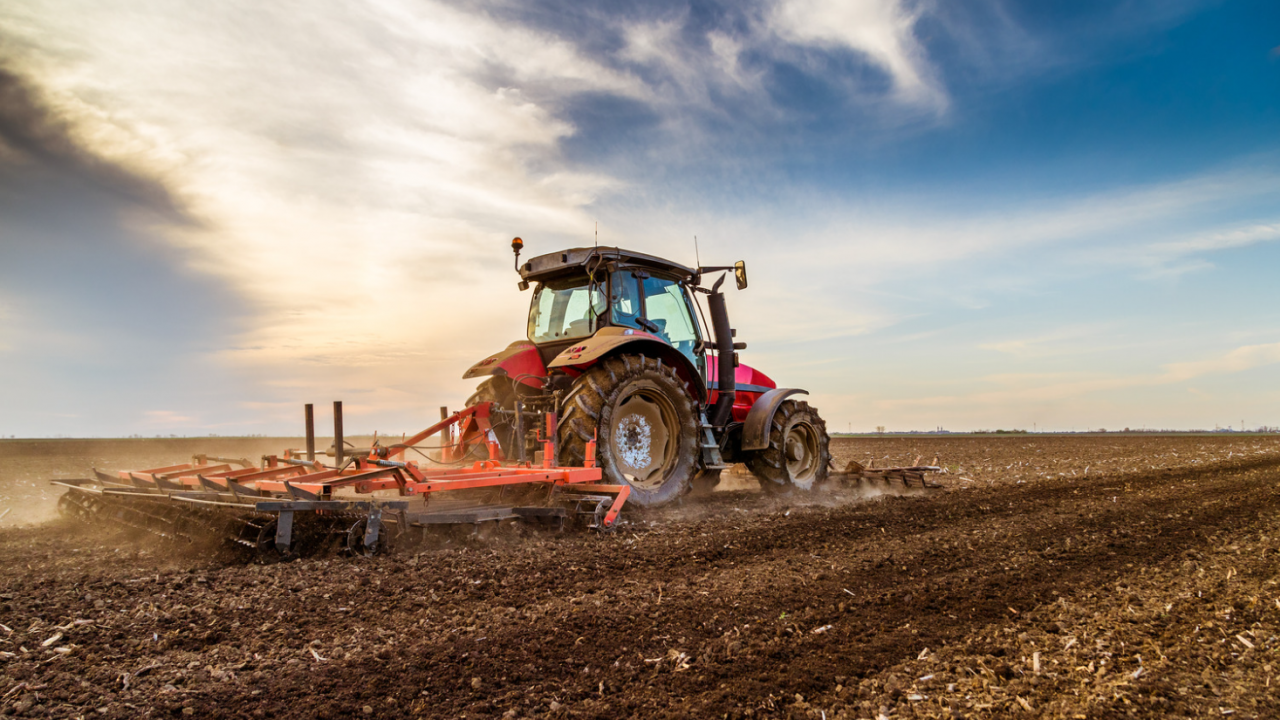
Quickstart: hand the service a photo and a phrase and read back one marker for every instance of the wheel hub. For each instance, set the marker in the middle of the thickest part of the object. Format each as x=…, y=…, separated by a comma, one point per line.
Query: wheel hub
x=641, y=440
x=802, y=453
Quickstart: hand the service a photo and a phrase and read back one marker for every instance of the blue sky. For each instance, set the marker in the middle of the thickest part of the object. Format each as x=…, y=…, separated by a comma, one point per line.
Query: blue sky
x=960, y=214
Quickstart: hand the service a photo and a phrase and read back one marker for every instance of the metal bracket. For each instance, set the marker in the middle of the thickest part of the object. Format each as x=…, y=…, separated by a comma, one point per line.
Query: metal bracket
x=284, y=531
x=298, y=493
x=372, y=528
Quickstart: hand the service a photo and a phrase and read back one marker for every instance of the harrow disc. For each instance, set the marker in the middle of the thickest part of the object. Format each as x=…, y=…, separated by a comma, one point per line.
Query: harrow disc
x=68, y=508
x=356, y=539
x=265, y=543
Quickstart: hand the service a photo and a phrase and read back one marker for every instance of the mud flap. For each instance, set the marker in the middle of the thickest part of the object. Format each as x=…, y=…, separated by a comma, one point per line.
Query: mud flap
x=755, y=430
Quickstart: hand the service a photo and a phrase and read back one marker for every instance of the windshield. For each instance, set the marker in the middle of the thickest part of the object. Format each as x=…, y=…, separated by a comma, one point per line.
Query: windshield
x=561, y=309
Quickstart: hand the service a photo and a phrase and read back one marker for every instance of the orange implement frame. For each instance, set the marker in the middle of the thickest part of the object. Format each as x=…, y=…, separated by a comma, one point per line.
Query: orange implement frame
x=289, y=478
x=466, y=428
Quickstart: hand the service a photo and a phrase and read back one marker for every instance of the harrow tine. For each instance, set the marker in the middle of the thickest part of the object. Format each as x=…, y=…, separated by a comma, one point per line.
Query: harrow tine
x=141, y=482
x=165, y=484
x=238, y=490
x=298, y=493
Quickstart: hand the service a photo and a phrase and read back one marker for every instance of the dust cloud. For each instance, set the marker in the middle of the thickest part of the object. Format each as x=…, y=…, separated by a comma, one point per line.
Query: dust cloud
x=27, y=466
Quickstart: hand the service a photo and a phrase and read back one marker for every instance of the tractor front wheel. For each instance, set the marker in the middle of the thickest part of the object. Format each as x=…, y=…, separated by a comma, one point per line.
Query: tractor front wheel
x=644, y=422
x=798, y=456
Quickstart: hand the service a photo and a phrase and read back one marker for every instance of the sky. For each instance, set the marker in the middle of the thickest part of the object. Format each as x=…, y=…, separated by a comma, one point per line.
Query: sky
x=969, y=214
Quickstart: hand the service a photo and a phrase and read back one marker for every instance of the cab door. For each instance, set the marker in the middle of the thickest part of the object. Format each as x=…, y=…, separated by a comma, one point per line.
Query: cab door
x=659, y=306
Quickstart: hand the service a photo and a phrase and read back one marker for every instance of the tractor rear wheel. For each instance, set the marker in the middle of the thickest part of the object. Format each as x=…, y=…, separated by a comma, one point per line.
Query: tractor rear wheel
x=644, y=422
x=496, y=390
x=799, y=454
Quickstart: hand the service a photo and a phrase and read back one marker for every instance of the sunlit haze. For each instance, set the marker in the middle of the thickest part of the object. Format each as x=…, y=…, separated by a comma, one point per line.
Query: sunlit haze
x=966, y=215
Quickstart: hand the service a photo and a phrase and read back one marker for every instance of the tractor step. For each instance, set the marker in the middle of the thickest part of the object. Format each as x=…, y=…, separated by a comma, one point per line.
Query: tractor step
x=711, y=457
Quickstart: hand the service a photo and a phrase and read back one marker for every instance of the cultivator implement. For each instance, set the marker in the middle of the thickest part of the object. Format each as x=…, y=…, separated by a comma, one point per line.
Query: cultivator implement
x=917, y=474
x=288, y=506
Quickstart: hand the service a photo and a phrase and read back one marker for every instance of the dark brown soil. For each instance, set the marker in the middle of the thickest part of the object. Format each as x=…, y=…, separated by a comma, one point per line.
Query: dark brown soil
x=1146, y=587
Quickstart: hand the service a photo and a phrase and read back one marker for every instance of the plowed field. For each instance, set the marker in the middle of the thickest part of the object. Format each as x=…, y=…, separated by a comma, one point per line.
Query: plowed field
x=1068, y=577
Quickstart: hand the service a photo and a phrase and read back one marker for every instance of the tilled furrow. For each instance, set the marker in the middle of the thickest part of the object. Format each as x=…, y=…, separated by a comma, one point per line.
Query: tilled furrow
x=944, y=596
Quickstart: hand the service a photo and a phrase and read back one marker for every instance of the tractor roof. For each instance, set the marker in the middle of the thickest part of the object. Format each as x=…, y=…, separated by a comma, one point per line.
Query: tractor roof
x=576, y=260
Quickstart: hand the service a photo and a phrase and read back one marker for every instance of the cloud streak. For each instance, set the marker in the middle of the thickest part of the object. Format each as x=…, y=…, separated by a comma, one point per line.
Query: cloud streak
x=1039, y=388
x=35, y=138
x=883, y=30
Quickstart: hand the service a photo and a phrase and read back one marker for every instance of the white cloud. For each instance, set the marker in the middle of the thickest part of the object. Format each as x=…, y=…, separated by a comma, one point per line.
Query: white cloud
x=358, y=167
x=1062, y=341
x=1138, y=227
x=1021, y=390
x=1242, y=358
x=687, y=75
x=1157, y=254
x=167, y=418
x=883, y=30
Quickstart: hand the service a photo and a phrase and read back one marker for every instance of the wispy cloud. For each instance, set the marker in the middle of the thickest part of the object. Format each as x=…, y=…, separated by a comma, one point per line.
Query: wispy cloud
x=167, y=418
x=1137, y=226
x=1071, y=340
x=1242, y=358
x=883, y=30
x=1028, y=389
x=1162, y=254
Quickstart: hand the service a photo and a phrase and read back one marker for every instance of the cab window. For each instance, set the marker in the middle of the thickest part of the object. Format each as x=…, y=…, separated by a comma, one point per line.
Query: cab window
x=624, y=298
x=665, y=305
x=564, y=309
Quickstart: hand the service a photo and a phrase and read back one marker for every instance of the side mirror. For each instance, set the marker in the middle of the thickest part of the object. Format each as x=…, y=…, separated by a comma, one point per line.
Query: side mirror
x=740, y=274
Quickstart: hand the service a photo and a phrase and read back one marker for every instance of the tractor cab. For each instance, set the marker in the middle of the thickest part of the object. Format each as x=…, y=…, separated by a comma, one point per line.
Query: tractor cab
x=575, y=307
x=581, y=291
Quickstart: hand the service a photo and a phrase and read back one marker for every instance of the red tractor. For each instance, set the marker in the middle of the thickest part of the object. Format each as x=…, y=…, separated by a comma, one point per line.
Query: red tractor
x=618, y=351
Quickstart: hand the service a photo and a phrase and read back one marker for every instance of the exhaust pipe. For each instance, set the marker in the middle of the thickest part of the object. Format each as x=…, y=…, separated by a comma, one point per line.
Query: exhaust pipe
x=726, y=365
